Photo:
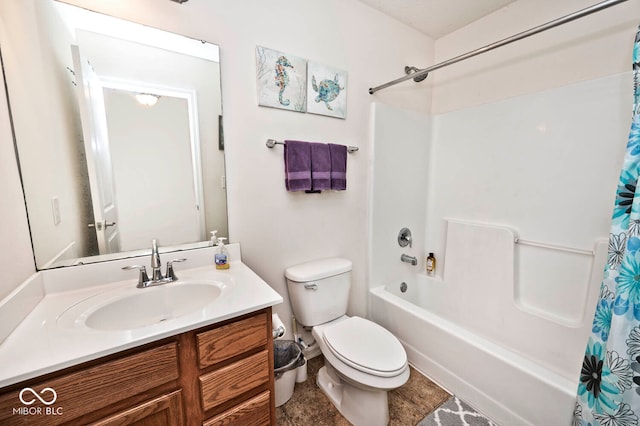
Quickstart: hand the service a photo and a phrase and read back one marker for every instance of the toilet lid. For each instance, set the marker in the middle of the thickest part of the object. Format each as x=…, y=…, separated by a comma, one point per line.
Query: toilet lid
x=366, y=346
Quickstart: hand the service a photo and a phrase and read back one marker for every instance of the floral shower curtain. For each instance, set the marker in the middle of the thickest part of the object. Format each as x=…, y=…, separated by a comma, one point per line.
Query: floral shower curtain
x=609, y=388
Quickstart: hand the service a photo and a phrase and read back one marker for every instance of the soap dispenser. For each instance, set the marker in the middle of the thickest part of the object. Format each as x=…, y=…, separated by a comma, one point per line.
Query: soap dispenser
x=221, y=256
x=214, y=238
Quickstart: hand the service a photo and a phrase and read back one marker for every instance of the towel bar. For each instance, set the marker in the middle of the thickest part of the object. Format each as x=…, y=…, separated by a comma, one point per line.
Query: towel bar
x=554, y=247
x=272, y=142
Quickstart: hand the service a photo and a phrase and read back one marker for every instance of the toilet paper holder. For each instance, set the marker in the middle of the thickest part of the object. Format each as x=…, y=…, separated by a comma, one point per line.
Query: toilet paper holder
x=278, y=329
x=278, y=332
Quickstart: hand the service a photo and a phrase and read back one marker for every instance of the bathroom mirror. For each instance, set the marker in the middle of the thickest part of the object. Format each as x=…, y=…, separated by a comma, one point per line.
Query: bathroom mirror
x=118, y=133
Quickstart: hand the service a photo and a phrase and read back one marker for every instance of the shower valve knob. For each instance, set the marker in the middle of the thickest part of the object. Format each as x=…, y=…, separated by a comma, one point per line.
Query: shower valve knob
x=404, y=237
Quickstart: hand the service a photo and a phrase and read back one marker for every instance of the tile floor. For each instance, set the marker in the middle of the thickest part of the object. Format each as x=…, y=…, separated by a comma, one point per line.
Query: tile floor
x=408, y=405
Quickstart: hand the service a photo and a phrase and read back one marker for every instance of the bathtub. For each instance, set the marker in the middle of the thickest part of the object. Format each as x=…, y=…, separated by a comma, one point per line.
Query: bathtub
x=501, y=382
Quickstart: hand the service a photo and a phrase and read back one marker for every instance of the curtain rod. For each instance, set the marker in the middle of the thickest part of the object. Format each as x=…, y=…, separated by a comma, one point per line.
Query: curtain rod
x=421, y=74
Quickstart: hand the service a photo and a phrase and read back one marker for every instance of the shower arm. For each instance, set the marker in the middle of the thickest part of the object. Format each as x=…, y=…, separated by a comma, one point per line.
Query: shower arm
x=420, y=74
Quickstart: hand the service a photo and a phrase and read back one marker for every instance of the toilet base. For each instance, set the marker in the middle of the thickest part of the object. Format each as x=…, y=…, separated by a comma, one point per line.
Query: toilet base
x=361, y=407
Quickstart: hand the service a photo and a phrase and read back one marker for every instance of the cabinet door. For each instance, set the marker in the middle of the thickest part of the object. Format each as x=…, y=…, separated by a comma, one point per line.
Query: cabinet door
x=88, y=390
x=161, y=411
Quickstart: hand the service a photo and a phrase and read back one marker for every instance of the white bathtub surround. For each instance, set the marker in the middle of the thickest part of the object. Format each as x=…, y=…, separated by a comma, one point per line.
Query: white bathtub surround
x=41, y=344
x=521, y=168
x=470, y=334
x=503, y=385
x=546, y=164
x=400, y=175
x=482, y=278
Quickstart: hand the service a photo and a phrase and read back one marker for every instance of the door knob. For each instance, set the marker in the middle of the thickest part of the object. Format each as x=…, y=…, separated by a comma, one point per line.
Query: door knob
x=100, y=225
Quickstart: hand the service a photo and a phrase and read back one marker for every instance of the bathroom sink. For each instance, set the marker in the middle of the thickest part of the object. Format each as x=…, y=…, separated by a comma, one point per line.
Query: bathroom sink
x=134, y=308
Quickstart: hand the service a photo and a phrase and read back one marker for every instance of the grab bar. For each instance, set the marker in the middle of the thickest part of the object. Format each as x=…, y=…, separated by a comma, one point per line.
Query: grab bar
x=554, y=247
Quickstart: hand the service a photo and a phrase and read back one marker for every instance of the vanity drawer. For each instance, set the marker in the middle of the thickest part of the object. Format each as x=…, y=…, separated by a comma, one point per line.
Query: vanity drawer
x=231, y=381
x=254, y=412
x=230, y=340
x=93, y=388
x=164, y=410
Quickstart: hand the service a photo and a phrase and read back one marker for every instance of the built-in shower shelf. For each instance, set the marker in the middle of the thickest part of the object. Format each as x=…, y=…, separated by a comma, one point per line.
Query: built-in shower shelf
x=428, y=279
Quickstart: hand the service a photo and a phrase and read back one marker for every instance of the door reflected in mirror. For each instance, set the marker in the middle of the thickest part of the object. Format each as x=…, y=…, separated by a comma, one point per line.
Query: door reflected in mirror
x=103, y=172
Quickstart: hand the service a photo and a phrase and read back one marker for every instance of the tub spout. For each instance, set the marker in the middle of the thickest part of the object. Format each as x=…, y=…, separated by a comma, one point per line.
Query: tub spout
x=409, y=259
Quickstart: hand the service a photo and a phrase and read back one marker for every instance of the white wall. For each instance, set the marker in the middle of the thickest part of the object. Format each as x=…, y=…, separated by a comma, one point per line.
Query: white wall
x=278, y=229
x=594, y=46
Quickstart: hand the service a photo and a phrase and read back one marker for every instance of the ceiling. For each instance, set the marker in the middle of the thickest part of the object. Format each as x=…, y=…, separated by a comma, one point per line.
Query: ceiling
x=437, y=18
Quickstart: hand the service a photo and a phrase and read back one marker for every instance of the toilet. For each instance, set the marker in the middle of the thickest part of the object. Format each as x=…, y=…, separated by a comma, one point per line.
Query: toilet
x=362, y=359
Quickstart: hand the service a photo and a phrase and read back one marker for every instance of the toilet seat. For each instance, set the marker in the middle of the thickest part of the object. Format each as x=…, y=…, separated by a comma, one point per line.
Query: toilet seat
x=366, y=346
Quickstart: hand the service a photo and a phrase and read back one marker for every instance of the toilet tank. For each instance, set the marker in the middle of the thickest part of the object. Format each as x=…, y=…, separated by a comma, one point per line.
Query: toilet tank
x=319, y=290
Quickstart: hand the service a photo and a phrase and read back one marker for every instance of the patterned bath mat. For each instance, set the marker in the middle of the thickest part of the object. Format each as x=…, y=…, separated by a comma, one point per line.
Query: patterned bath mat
x=454, y=412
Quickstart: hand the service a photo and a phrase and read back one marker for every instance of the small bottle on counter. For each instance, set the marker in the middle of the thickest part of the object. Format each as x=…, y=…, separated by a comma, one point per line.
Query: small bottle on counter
x=221, y=256
x=431, y=265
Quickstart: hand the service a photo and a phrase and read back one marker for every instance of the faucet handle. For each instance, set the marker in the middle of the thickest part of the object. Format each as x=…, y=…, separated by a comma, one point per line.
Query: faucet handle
x=404, y=237
x=142, y=276
x=170, y=275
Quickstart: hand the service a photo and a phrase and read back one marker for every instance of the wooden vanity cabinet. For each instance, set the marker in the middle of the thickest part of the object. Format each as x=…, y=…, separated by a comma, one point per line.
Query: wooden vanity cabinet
x=217, y=375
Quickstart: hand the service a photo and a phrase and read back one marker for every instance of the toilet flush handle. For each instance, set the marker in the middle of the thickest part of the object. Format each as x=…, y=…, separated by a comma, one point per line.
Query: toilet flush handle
x=311, y=286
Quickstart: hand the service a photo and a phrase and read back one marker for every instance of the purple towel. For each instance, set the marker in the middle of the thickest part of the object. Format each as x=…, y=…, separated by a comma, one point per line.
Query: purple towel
x=320, y=166
x=297, y=165
x=338, y=167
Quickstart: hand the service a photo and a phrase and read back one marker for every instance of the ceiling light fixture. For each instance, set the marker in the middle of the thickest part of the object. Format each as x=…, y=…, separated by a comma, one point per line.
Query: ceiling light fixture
x=147, y=99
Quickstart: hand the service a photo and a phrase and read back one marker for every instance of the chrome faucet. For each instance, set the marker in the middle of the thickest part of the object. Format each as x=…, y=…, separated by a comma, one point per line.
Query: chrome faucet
x=156, y=270
x=156, y=264
x=409, y=259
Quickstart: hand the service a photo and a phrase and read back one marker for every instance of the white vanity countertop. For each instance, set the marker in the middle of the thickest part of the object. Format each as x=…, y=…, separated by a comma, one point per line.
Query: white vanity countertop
x=39, y=345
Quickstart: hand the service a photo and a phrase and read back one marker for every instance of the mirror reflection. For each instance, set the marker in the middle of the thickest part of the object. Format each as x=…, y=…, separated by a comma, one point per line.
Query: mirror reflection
x=117, y=133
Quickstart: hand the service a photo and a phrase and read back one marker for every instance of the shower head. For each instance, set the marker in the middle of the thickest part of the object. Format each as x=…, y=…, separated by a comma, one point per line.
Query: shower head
x=413, y=70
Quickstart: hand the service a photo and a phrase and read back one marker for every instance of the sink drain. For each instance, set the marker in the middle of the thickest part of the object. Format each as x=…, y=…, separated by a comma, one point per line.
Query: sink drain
x=403, y=286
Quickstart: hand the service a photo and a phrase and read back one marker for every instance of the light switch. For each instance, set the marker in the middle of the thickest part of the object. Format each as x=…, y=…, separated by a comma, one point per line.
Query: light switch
x=55, y=207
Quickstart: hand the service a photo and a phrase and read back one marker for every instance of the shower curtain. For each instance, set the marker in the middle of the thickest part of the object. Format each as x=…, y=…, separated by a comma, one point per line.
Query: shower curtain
x=609, y=387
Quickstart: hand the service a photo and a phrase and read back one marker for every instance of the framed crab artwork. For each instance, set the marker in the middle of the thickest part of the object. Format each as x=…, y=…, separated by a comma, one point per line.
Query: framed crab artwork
x=326, y=90
x=281, y=80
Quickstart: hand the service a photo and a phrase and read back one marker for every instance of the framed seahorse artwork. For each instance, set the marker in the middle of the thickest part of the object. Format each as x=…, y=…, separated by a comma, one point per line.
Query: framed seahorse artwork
x=326, y=90
x=281, y=80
